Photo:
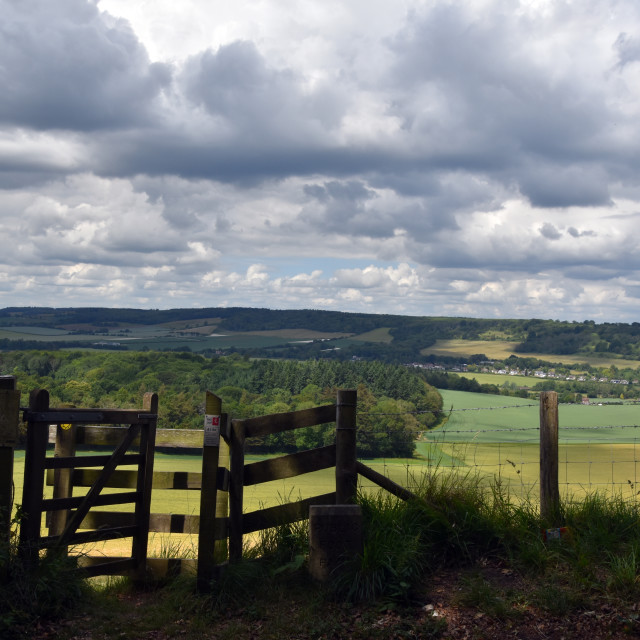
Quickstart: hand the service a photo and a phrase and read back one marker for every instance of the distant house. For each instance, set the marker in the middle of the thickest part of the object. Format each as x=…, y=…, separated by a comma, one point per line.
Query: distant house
x=585, y=400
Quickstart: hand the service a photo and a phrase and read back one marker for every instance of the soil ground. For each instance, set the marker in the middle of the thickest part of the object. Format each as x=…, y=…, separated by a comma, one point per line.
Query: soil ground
x=502, y=604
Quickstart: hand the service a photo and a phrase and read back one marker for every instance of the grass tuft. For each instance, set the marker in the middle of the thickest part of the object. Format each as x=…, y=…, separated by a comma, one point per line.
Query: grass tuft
x=31, y=593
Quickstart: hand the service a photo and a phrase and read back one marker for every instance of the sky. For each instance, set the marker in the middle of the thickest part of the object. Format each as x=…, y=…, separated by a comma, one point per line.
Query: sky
x=475, y=158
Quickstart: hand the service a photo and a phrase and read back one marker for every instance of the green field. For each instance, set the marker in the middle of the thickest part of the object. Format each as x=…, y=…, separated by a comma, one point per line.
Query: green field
x=483, y=418
x=498, y=437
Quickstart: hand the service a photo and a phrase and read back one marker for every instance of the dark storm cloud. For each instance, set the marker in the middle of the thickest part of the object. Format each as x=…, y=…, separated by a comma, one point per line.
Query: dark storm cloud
x=64, y=65
x=559, y=186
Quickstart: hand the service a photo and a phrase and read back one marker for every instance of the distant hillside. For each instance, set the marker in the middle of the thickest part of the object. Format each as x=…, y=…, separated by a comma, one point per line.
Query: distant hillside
x=307, y=333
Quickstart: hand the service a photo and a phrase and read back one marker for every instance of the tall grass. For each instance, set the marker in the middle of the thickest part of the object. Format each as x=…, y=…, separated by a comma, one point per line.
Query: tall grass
x=33, y=592
x=457, y=522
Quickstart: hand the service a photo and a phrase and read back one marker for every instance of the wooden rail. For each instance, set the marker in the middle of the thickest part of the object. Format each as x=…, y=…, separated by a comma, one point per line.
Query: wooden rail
x=73, y=520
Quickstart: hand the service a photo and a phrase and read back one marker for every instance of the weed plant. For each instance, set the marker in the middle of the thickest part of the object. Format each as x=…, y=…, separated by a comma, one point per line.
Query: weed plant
x=32, y=592
x=456, y=521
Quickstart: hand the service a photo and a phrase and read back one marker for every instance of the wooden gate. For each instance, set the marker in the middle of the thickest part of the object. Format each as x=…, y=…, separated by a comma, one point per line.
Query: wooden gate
x=68, y=512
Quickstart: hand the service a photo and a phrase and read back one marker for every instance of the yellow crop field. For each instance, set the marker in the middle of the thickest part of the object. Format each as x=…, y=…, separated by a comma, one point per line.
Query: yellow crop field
x=376, y=335
x=502, y=349
x=494, y=349
x=583, y=468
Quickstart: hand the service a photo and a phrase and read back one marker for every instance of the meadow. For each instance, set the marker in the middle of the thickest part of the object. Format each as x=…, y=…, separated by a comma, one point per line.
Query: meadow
x=497, y=436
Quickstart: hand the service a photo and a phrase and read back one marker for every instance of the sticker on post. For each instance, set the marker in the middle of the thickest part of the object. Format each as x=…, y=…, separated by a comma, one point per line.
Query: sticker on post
x=212, y=431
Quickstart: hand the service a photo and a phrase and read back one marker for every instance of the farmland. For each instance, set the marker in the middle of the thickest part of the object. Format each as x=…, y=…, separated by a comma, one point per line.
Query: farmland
x=194, y=336
x=304, y=334
x=502, y=349
x=498, y=437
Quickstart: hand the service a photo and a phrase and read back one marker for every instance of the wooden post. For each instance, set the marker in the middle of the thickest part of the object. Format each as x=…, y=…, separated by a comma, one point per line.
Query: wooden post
x=346, y=472
x=236, y=490
x=222, y=494
x=32, y=493
x=549, y=490
x=210, y=458
x=9, y=420
x=140, y=542
x=62, y=478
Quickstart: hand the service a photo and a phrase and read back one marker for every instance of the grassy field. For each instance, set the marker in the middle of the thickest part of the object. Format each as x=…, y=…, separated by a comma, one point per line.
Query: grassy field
x=498, y=436
x=502, y=349
x=483, y=418
x=495, y=349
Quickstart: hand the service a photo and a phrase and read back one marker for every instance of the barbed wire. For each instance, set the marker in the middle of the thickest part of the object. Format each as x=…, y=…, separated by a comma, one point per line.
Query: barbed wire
x=413, y=413
x=615, y=426
x=512, y=406
x=476, y=431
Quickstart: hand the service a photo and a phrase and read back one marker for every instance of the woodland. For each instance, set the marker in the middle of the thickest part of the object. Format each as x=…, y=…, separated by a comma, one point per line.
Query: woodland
x=395, y=403
x=410, y=336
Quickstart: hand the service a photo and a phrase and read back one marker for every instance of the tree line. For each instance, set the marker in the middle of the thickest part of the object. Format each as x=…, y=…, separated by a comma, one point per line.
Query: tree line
x=394, y=403
x=411, y=335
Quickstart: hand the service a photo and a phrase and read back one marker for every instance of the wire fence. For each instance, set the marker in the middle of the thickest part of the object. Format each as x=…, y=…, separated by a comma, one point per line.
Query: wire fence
x=503, y=448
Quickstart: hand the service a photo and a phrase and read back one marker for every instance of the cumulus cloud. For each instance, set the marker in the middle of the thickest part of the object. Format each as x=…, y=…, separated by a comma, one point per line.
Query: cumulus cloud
x=69, y=66
x=447, y=158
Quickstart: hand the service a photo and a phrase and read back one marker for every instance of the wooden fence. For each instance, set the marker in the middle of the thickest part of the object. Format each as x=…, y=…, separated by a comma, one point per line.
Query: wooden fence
x=342, y=455
x=221, y=482
x=222, y=443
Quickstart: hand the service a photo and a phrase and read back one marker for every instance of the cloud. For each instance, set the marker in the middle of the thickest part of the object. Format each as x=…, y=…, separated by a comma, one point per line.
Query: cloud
x=430, y=157
x=549, y=231
x=68, y=66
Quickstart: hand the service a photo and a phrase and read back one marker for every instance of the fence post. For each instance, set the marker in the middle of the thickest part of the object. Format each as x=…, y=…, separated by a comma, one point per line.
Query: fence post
x=236, y=490
x=208, y=505
x=549, y=490
x=62, y=478
x=36, y=451
x=222, y=496
x=140, y=543
x=346, y=471
x=9, y=419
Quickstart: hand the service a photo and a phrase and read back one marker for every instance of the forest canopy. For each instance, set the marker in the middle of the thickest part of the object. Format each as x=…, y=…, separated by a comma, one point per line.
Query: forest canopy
x=394, y=402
